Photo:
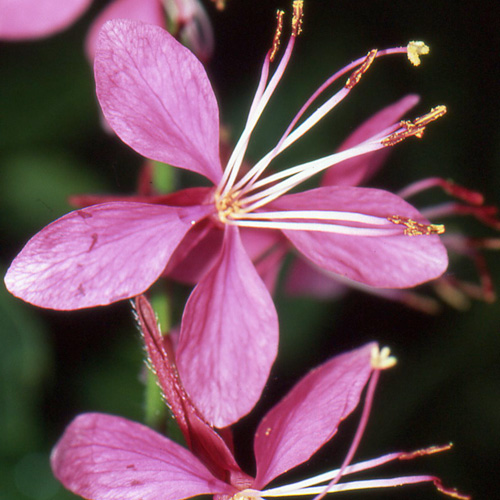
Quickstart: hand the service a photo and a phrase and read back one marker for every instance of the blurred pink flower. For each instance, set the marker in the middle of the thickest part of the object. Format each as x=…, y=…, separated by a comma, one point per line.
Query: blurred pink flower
x=186, y=20
x=156, y=96
x=103, y=456
x=31, y=19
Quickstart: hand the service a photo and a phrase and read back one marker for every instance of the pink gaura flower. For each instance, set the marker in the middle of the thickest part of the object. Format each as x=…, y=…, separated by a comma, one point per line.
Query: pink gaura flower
x=156, y=96
x=31, y=19
x=107, y=457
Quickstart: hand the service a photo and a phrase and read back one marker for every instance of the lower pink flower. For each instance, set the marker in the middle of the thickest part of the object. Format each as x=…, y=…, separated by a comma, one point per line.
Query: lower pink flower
x=107, y=457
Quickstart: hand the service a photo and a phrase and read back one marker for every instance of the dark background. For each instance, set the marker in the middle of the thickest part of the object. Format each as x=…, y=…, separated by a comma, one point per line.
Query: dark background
x=445, y=387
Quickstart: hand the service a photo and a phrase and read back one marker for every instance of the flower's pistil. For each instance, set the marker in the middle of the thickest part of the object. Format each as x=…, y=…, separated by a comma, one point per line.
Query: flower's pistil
x=381, y=359
x=414, y=228
x=415, y=50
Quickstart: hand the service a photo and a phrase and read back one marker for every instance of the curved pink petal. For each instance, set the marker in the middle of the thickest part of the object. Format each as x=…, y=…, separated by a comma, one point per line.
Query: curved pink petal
x=111, y=458
x=97, y=255
x=229, y=337
x=396, y=261
x=309, y=415
x=157, y=97
x=201, y=438
x=360, y=168
x=147, y=11
x=31, y=19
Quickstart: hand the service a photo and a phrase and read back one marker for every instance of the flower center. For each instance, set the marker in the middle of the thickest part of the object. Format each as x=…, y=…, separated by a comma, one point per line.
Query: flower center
x=226, y=206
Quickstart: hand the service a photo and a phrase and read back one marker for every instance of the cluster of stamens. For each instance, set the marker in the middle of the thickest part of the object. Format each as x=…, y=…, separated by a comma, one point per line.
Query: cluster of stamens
x=240, y=198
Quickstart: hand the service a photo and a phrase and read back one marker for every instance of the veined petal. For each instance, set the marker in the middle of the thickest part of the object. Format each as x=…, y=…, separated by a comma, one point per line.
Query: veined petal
x=111, y=458
x=30, y=19
x=157, y=97
x=147, y=11
x=395, y=261
x=360, y=168
x=229, y=337
x=97, y=255
x=309, y=415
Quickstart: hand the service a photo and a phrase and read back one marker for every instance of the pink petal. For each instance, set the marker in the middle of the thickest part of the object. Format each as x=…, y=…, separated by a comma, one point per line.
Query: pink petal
x=229, y=337
x=309, y=415
x=111, y=458
x=359, y=169
x=148, y=11
x=97, y=255
x=267, y=249
x=200, y=437
x=30, y=19
x=156, y=96
x=396, y=261
x=196, y=253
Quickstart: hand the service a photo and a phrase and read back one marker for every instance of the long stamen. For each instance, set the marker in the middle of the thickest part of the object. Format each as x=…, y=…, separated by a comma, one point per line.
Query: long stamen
x=236, y=159
x=413, y=49
x=314, y=226
x=329, y=215
x=352, y=469
x=375, y=484
x=298, y=174
x=290, y=137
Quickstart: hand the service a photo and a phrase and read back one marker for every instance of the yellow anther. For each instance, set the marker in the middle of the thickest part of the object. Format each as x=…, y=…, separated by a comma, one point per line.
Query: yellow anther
x=415, y=50
x=381, y=359
x=357, y=74
x=414, y=128
x=425, y=451
x=298, y=12
x=414, y=228
x=277, y=34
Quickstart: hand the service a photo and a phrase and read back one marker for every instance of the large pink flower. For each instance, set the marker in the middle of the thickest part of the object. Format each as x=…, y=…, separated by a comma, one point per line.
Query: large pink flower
x=156, y=96
x=103, y=456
